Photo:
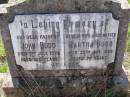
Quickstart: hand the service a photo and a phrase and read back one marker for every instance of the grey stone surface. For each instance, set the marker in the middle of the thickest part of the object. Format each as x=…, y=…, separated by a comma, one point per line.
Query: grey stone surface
x=64, y=41
x=5, y=80
x=64, y=79
x=122, y=82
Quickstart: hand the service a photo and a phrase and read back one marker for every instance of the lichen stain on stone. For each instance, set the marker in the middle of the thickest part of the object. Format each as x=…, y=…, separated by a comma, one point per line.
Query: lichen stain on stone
x=77, y=5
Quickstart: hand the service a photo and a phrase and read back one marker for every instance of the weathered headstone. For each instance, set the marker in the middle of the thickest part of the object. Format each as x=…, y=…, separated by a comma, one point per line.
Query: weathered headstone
x=57, y=46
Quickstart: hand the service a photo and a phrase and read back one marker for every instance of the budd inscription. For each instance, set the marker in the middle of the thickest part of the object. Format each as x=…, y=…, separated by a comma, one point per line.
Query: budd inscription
x=64, y=41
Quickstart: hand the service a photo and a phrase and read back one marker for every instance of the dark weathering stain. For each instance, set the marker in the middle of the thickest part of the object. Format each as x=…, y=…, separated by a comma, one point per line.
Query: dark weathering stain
x=94, y=26
x=101, y=25
x=77, y=5
x=77, y=26
x=88, y=26
x=106, y=23
x=22, y=39
x=67, y=23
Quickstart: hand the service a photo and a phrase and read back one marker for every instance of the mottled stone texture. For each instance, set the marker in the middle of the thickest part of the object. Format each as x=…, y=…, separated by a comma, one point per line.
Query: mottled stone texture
x=3, y=1
x=67, y=82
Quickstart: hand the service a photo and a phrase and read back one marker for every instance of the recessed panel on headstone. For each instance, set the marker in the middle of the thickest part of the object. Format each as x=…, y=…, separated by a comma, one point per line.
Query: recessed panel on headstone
x=64, y=41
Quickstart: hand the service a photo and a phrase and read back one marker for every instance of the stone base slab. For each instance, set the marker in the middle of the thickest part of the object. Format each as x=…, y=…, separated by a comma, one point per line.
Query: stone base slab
x=60, y=86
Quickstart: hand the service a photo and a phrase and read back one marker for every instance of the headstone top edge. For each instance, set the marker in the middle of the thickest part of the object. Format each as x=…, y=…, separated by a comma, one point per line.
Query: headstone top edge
x=4, y=7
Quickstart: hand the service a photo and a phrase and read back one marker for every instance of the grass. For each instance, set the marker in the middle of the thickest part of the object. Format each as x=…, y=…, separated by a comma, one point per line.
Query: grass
x=127, y=61
x=104, y=93
x=3, y=67
x=127, y=53
x=112, y=92
x=129, y=1
x=3, y=62
x=128, y=39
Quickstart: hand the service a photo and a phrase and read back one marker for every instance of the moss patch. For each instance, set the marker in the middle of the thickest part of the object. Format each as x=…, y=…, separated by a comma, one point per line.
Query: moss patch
x=3, y=68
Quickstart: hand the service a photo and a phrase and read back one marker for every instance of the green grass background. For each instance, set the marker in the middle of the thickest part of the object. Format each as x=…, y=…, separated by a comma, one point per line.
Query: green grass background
x=129, y=1
x=128, y=39
x=3, y=62
x=127, y=53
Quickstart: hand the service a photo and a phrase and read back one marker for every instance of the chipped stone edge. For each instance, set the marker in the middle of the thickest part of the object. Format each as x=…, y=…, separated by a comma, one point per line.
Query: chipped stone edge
x=124, y=4
x=3, y=7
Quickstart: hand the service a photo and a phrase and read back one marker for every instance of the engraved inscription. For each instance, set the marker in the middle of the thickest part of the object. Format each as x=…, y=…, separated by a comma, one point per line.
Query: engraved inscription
x=64, y=41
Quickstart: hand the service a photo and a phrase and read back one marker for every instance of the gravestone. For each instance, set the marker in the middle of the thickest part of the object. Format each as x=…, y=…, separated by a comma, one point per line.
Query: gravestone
x=54, y=47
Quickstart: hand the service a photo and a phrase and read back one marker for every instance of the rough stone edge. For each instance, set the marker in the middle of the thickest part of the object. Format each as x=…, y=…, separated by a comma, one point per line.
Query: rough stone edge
x=121, y=82
x=3, y=7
